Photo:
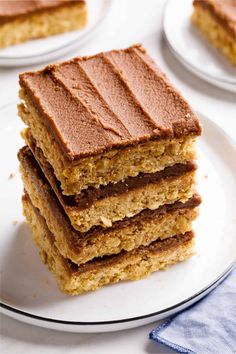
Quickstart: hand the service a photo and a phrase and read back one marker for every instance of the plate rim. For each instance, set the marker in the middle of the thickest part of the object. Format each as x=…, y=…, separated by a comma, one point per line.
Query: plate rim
x=108, y=4
x=188, y=64
x=200, y=74
x=192, y=299
x=203, y=291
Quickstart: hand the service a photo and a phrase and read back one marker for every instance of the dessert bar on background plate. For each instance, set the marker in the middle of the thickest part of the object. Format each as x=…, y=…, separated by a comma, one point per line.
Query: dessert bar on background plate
x=21, y=21
x=48, y=49
x=217, y=21
x=192, y=49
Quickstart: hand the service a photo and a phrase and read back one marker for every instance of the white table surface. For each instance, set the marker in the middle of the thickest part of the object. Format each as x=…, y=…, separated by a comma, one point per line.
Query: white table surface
x=131, y=21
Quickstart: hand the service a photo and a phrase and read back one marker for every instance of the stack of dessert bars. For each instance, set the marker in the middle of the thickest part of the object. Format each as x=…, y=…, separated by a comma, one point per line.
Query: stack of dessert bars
x=108, y=169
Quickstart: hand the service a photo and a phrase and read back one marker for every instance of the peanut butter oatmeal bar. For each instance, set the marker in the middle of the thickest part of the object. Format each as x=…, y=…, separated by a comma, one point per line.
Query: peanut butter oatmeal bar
x=103, y=118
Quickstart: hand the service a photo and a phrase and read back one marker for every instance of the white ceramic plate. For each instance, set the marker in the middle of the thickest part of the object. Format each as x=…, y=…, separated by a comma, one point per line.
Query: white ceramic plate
x=29, y=292
x=192, y=49
x=41, y=50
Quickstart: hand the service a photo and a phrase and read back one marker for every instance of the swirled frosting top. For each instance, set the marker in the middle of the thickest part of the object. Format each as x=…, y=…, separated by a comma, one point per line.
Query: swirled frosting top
x=113, y=99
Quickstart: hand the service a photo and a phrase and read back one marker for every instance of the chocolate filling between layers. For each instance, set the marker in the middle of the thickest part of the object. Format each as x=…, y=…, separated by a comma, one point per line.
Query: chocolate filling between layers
x=90, y=195
x=105, y=261
x=31, y=166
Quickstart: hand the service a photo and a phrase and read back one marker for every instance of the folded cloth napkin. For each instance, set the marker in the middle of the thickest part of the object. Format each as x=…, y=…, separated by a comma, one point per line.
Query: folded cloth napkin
x=209, y=326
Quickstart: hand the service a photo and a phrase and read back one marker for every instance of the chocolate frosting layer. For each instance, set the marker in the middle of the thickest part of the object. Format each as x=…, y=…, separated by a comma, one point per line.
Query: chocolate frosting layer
x=113, y=99
x=90, y=195
x=12, y=9
x=224, y=11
